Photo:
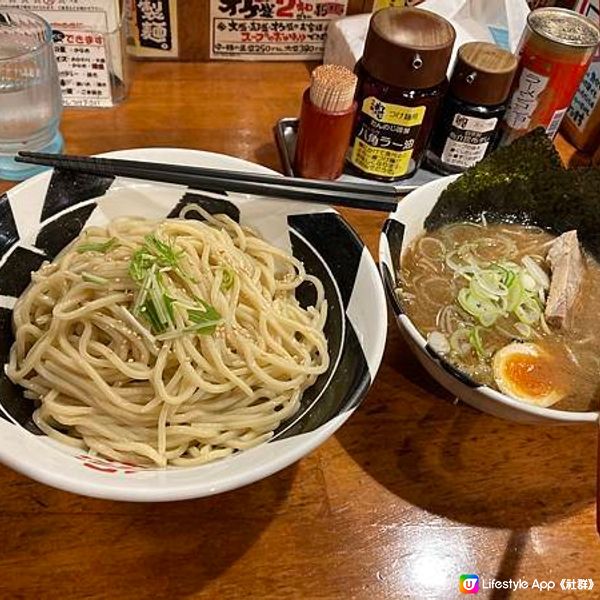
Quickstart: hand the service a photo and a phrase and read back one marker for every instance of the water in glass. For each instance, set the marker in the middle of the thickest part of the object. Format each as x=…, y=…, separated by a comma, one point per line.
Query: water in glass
x=30, y=101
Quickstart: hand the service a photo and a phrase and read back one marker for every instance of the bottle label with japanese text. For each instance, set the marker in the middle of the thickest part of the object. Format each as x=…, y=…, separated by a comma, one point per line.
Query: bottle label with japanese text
x=525, y=99
x=584, y=112
x=586, y=98
x=385, y=137
x=543, y=87
x=468, y=140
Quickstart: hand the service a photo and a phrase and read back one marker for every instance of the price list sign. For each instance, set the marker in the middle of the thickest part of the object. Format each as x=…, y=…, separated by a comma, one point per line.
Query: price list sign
x=275, y=30
x=84, y=77
x=83, y=50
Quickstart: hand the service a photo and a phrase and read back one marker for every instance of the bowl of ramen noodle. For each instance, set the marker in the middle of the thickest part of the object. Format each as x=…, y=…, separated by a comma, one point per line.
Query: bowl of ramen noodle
x=498, y=295
x=161, y=343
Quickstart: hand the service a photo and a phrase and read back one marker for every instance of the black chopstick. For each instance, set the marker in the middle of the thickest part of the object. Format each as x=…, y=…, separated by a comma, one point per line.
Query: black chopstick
x=359, y=195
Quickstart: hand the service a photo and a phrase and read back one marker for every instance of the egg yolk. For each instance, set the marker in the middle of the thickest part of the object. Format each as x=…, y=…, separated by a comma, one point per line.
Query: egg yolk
x=531, y=374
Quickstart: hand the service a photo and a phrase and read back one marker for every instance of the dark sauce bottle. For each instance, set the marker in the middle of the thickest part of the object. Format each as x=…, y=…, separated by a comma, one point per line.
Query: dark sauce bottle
x=468, y=125
x=402, y=79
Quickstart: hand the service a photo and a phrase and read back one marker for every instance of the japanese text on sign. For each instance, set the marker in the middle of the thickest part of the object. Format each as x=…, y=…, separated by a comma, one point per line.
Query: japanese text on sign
x=152, y=28
x=153, y=23
x=275, y=30
x=83, y=51
x=84, y=77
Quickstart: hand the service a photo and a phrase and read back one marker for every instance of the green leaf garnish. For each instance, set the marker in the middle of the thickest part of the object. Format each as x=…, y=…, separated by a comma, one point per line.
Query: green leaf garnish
x=154, y=252
x=169, y=306
x=205, y=319
x=475, y=341
x=165, y=253
x=227, y=281
x=141, y=261
x=102, y=247
x=155, y=304
x=91, y=278
x=206, y=312
x=150, y=314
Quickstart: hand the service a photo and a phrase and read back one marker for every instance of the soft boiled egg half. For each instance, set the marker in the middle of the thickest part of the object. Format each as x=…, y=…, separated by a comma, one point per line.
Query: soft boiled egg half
x=525, y=372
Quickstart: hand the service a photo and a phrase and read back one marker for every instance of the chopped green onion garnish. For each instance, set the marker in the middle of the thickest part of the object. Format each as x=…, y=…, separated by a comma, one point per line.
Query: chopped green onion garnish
x=475, y=340
x=143, y=293
x=528, y=311
x=154, y=252
x=500, y=289
x=459, y=341
x=154, y=302
x=205, y=320
x=169, y=306
x=227, y=281
x=102, y=247
x=207, y=328
x=150, y=314
x=206, y=312
x=139, y=265
x=165, y=254
x=91, y=278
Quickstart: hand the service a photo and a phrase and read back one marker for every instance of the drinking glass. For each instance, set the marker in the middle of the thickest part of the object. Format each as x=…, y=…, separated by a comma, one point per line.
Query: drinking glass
x=30, y=99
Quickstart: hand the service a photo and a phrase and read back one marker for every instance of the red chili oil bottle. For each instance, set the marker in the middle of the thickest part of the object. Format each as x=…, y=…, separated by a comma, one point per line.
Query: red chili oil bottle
x=468, y=126
x=402, y=79
x=555, y=50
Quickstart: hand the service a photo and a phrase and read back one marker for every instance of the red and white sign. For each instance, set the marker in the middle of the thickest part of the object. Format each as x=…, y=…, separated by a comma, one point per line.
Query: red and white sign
x=271, y=30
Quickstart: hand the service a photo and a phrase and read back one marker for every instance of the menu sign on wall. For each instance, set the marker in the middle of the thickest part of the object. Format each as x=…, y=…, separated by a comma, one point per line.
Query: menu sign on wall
x=153, y=28
x=84, y=50
x=271, y=30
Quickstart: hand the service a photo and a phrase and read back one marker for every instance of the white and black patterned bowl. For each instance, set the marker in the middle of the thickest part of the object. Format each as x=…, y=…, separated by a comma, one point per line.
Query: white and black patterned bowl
x=399, y=230
x=42, y=215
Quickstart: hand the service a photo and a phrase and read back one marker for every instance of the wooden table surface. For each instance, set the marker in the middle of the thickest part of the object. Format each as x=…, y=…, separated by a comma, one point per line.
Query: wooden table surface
x=411, y=492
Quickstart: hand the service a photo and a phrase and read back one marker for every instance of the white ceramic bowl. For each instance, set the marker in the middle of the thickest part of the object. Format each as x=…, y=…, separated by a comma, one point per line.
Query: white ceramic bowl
x=42, y=215
x=400, y=229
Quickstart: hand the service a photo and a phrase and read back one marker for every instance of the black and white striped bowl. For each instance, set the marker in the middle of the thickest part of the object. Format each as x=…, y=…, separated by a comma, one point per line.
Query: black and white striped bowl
x=42, y=215
x=399, y=230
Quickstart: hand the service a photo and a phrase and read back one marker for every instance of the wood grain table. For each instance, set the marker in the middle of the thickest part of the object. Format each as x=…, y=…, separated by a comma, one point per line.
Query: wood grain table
x=414, y=490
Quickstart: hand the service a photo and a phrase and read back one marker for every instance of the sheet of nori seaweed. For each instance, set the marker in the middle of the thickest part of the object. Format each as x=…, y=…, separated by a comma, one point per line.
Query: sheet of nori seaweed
x=526, y=183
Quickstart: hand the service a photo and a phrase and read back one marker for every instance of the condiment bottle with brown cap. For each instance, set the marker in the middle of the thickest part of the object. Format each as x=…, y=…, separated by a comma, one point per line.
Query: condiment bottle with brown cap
x=468, y=127
x=402, y=79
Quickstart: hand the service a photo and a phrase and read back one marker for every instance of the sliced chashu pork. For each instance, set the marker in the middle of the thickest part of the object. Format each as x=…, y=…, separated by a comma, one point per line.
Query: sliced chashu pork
x=567, y=264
